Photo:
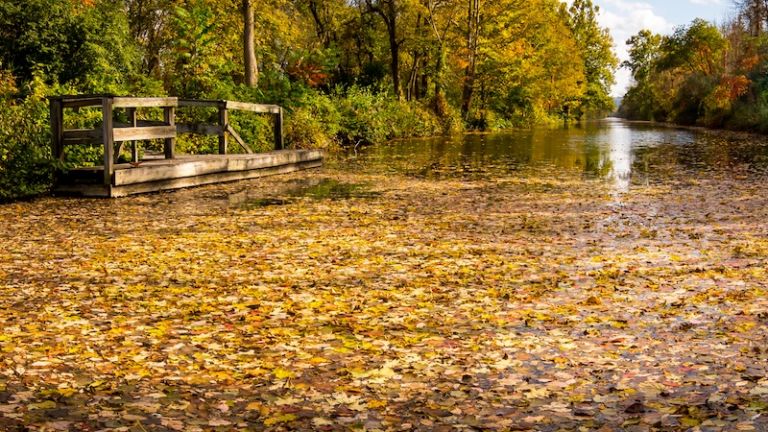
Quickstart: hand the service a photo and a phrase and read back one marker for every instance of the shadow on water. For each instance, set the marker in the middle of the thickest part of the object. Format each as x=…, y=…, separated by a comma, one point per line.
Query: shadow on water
x=312, y=188
x=614, y=150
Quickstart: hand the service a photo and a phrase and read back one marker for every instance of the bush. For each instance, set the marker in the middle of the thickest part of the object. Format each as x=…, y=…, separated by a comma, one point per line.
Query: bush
x=314, y=123
x=26, y=168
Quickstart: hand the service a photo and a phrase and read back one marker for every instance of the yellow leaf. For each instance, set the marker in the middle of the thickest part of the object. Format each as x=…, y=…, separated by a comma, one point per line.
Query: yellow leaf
x=285, y=418
x=281, y=373
x=253, y=406
x=376, y=404
x=49, y=404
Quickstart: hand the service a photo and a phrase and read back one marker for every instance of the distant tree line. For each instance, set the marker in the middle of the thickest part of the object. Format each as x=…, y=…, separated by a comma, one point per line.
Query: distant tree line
x=703, y=74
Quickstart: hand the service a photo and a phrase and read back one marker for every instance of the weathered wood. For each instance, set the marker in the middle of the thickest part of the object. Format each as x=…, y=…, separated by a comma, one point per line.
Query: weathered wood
x=199, y=129
x=131, y=102
x=257, y=108
x=186, y=103
x=223, y=123
x=169, y=115
x=239, y=139
x=187, y=171
x=57, y=129
x=81, y=103
x=134, y=144
x=142, y=133
x=82, y=136
x=278, y=127
x=109, y=149
x=139, y=123
x=210, y=164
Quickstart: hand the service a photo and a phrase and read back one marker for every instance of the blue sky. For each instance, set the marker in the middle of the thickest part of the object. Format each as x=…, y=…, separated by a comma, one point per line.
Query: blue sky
x=625, y=18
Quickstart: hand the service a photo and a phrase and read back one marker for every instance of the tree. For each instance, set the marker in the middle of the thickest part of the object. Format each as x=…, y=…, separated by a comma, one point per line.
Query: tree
x=596, y=47
x=389, y=11
x=249, y=46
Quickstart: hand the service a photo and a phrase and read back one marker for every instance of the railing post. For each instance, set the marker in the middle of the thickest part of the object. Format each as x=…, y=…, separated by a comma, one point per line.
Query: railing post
x=223, y=122
x=134, y=144
x=57, y=129
x=279, y=145
x=169, y=113
x=108, y=138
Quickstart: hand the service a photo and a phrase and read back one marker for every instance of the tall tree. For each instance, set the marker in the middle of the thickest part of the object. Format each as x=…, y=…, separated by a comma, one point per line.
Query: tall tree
x=472, y=49
x=389, y=12
x=249, y=46
x=596, y=47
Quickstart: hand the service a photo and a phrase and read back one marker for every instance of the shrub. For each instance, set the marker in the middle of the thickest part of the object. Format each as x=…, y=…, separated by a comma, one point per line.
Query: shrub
x=26, y=168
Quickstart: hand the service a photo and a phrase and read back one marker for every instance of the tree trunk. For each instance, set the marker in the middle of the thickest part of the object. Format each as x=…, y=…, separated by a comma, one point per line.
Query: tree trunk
x=388, y=12
x=473, y=33
x=394, y=47
x=249, y=46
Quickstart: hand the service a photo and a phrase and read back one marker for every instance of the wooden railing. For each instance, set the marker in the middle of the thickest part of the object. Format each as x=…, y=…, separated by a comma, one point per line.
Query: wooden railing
x=135, y=130
x=223, y=128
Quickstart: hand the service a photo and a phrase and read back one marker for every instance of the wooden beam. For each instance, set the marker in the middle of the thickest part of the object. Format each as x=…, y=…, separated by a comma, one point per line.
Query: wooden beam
x=223, y=123
x=169, y=148
x=278, y=126
x=239, y=139
x=139, y=123
x=81, y=103
x=129, y=102
x=222, y=177
x=131, y=112
x=200, y=129
x=195, y=166
x=57, y=129
x=109, y=149
x=82, y=136
x=185, y=103
x=142, y=133
x=257, y=108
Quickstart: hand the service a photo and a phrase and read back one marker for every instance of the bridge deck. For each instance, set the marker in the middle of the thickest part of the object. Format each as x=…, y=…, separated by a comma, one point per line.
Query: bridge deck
x=184, y=171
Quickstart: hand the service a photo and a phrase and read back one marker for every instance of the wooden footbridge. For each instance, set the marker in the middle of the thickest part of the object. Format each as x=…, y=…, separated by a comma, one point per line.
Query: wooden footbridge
x=168, y=170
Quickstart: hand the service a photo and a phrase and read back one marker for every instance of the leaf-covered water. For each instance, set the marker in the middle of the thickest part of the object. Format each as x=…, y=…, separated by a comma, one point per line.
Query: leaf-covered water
x=610, y=277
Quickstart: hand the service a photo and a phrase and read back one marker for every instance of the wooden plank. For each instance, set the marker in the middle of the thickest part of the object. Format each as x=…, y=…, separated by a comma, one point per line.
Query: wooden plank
x=142, y=133
x=257, y=108
x=169, y=184
x=82, y=136
x=159, y=102
x=278, y=127
x=210, y=164
x=185, y=103
x=138, y=123
x=57, y=129
x=239, y=139
x=169, y=147
x=80, y=103
x=223, y=123
x=134, y=144
x=109, y=149
x=200, y=129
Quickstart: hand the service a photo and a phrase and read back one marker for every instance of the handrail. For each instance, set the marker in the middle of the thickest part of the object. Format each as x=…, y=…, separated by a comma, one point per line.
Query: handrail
x=135, y=130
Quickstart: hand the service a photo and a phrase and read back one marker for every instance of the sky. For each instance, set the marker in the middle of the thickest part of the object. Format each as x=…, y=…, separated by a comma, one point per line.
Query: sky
x=625, y=18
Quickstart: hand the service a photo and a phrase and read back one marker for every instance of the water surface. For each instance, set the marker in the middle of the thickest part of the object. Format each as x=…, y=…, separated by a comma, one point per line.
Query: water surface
x=615, y=150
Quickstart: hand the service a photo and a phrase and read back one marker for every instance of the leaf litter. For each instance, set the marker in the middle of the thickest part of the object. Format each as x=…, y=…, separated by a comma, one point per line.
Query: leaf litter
x=512, y=303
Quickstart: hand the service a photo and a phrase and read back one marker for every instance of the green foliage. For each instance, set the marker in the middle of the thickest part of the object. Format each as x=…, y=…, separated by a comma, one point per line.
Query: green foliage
x=82, y=43
x=596, y=46
x=332, y=64
x=25, y=164
x=314, y=123
x=700, y=75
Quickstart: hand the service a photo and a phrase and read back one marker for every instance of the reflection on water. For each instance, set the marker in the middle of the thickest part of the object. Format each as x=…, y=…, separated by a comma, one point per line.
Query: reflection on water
x=620, y=152
x=311, y=188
